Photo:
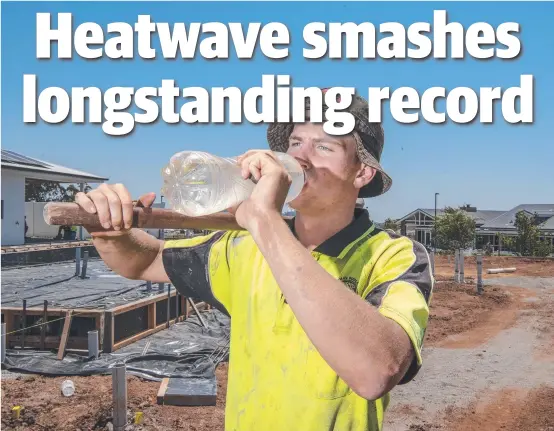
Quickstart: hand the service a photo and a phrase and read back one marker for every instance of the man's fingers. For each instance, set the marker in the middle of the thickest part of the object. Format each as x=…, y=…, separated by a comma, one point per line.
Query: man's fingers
x=146, y=200
x=102, y=208
x=255, y=169
x=126, y=205
x=84, y=202
x=116, y=212
x=255, y=162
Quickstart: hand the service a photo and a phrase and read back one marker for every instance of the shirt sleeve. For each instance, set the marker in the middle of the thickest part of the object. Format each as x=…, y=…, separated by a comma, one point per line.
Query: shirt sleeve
x=400, y=287
x=198, y=267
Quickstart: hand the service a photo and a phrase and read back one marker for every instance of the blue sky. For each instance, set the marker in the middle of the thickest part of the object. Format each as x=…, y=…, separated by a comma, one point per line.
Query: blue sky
x=494, y=166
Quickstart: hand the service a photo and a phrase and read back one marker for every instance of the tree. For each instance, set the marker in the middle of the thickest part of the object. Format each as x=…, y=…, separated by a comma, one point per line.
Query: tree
x=391, y=225
x=455, y=229
x=543, y=249
x=508, y=243
x=50, y=191
x=528, y=241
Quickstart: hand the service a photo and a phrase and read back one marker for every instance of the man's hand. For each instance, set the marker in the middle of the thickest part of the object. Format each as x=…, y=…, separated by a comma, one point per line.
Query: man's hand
x=114, y=207
x=268, y=197
x=131, y=253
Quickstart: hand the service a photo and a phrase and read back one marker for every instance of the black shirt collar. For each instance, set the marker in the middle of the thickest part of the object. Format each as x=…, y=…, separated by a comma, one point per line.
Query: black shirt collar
x=334, y=245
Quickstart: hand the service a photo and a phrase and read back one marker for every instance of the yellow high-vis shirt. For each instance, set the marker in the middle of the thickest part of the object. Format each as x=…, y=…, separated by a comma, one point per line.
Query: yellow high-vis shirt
x=277, y=379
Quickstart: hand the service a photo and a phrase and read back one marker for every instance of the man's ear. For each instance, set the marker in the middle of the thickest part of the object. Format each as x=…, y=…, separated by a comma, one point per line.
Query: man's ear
x=364, y=176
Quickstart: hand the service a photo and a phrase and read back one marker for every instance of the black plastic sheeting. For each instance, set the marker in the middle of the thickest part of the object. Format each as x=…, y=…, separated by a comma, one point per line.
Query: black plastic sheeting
x=184, y=350
x=57, y=283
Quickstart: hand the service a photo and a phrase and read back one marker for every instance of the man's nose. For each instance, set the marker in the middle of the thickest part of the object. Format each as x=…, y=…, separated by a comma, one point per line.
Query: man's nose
x=304, y=163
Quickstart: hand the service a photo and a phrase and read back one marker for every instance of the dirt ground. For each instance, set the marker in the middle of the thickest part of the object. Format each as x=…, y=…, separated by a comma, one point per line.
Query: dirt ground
x=488, y=360
x=444, y=266
x=488, y=365
x=90, y=408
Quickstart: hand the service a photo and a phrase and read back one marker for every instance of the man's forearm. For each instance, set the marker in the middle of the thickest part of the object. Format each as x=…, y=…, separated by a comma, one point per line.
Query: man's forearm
x=135, y=255
x=351, y=335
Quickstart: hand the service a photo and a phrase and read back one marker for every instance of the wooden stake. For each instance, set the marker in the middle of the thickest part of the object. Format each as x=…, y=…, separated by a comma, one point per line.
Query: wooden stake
x=65, y=334
x=44, y=325
x=162, y=390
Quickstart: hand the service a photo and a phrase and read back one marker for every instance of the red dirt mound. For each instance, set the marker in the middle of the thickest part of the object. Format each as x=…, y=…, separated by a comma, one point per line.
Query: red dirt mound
x=461, y=318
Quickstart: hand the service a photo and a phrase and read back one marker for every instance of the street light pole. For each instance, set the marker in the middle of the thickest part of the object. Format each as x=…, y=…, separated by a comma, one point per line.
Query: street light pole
x=435, y=226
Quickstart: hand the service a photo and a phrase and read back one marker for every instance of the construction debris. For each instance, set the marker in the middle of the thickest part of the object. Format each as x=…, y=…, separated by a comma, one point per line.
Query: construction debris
x=500, y=270
x=185, y=350
x=188, y=392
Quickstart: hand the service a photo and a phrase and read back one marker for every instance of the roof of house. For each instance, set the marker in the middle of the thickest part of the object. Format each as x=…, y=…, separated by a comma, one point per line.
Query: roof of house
x=35, y=168
x=507, y=219
x=548, y=224
x=480, y=216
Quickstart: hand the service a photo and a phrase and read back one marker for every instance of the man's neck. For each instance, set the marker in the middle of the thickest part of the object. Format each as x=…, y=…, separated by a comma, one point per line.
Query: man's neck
x=314, y=229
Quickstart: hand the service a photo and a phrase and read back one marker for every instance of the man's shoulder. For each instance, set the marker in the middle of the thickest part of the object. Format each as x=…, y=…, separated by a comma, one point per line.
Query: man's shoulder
x=389, y=236
x=205, y=238
x=388, y=243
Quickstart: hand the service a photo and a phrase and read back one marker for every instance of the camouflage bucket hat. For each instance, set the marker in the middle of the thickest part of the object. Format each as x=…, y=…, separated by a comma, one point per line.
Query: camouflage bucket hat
x=369, y=137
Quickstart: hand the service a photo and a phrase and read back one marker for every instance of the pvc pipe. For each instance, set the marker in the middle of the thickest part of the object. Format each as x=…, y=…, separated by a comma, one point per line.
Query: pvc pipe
x=93, y=344
x=500, y=270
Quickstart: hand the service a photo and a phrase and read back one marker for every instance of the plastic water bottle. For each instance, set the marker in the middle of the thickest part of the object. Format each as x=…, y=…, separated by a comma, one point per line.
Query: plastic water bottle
x=198, y=183
x=68, y=388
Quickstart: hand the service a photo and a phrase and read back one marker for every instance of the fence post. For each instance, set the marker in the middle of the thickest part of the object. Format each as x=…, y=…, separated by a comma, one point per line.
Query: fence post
x=479, y=274
x=119, y=394
x=461, y=275
x=456, y=263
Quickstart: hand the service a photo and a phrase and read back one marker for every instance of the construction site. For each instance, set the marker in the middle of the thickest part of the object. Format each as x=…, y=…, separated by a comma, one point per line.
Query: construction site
x=488, y=352
x=84, y=348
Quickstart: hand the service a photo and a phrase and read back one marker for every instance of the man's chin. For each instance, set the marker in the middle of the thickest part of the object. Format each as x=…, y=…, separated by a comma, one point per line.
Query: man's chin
x=303, y=200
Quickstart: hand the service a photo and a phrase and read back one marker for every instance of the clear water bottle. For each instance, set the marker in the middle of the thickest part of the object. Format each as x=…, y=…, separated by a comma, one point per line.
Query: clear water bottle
x=198, y=183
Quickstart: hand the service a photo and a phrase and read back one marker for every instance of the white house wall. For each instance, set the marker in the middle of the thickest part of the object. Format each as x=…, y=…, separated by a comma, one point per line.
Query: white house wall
x=13, y=200
x=35, y=220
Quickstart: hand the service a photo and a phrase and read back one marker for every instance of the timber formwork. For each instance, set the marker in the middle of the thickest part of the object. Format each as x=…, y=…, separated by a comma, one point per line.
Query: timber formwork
x=117, y=327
